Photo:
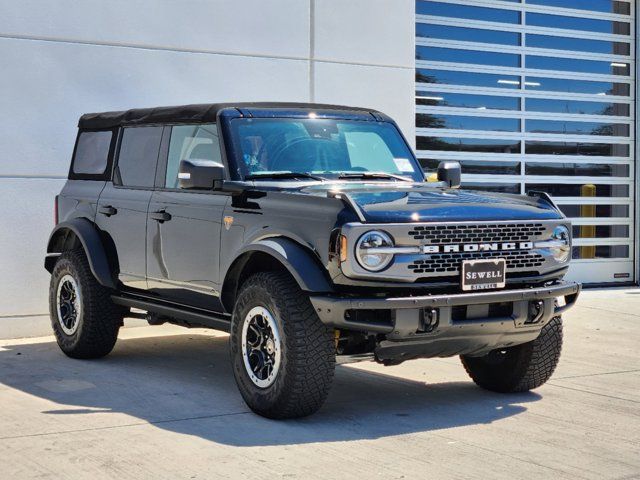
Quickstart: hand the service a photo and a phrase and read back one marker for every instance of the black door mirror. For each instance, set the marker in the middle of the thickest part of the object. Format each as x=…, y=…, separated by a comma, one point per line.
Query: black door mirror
x=200, y=174
x=450, y=173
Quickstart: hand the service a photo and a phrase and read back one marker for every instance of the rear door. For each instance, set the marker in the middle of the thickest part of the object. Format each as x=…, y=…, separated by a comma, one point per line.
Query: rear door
x=184, y=226
x=124, y=202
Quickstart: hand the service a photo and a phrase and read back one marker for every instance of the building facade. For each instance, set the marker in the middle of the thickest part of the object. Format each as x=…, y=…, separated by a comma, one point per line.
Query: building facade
x=538, y=95
x=531, y=94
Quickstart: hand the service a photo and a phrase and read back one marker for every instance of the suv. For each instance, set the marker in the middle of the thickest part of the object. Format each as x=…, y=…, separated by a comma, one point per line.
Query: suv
x=311, y=234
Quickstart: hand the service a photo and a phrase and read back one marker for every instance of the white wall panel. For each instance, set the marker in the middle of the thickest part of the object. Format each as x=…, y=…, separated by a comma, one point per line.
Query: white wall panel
x=51, y=84
x=389, y=90
x=61, y=59
x=273, y=28
x=26, y=210
x=376, y=32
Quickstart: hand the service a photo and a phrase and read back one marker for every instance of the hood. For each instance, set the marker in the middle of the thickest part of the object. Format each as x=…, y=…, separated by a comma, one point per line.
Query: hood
x=398, y=203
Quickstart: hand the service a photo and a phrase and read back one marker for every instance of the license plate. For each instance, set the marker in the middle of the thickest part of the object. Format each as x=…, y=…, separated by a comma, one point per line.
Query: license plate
x=483, y=274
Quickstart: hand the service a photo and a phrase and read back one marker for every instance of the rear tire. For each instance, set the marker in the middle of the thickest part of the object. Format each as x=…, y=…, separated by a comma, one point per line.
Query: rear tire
x=84, y=319
x=283, y=357
x=520, y=368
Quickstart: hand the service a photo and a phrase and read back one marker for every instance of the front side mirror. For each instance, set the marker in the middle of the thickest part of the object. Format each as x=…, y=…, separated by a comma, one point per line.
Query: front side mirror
x=450, y=173
x=200, y=175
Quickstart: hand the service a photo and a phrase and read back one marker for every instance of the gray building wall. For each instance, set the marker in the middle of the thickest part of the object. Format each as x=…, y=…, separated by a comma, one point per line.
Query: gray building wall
x=61, y=59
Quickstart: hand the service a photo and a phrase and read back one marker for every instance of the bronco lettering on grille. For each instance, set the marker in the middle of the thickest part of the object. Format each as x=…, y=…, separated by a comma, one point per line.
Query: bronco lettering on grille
x=477, y=247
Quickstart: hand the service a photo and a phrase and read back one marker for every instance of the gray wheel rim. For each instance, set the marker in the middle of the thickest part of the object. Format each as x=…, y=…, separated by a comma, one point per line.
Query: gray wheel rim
x=68, y=304
x=261, y=347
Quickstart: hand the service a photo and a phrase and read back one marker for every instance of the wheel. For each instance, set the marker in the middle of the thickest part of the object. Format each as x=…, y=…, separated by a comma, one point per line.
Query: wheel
x=84, y=319
x=520, y=368
x=283, y=357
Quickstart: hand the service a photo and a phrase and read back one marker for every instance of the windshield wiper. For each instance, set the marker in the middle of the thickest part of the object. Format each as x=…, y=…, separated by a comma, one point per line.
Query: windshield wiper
x=374, y=175
x=283, y=176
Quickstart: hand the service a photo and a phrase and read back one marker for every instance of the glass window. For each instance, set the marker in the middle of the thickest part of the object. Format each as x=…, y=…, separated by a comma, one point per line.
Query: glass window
x=601, y=251
x=589, y=211
x=324, y=147
x=465, y=11
x=575, y=148
x=577, y=190
x=454, y=144
x=578, y=44
x=191, y=142
x=577, y=169
x=578, y=23
x=577, y=128
x=601, y=231
x=449, y=77
x=138, y=156
x=437, y=54
x=493, y=187
x=606, y=6
x=478, y=167
x=575, y=106
x=577, y=86
x=463, y=100
x=460, y=122
x=577, y=65
x=92, y=152
x=479, y=35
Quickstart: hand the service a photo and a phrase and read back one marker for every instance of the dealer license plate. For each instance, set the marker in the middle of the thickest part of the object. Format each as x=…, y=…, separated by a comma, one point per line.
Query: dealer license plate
x=483, y=274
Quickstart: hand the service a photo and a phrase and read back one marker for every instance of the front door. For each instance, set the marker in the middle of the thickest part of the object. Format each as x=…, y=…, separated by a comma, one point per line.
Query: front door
x=124, y=202
x=184, y=227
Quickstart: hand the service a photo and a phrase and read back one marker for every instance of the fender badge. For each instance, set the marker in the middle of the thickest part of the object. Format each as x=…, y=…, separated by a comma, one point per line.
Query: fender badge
x=228, y=221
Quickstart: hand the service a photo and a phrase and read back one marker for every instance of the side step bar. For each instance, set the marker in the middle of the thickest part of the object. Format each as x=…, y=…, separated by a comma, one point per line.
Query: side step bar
x=191, y=317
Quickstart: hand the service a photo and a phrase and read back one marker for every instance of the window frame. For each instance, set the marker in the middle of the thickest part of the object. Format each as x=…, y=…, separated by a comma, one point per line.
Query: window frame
x=107, y=174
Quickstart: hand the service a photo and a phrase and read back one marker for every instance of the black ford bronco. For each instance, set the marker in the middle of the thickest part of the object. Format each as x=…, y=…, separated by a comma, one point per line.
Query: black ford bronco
x=311, y=234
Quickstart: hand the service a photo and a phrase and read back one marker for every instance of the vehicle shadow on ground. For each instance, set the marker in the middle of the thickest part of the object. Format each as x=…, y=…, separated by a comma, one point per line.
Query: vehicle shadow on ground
x=184, y=383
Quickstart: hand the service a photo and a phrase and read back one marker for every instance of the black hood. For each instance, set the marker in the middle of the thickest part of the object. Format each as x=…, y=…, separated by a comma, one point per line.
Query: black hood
x=399, y=202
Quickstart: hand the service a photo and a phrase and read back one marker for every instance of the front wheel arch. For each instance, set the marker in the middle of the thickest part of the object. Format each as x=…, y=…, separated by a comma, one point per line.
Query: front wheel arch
x=276, y=254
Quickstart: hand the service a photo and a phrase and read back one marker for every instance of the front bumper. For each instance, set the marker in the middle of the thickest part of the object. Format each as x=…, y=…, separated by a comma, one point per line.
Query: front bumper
x=479, y=331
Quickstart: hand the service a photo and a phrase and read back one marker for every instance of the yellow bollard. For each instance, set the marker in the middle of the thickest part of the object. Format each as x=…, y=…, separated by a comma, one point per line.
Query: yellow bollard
x=588, y=231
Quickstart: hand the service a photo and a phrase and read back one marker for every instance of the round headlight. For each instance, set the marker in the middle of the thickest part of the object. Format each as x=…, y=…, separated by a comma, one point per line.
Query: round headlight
x=368, y=252
x=562, y=251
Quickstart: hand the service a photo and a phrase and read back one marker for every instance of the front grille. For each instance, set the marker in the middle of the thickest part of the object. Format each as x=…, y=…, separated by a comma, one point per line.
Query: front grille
x=445, y=234
x=450, y=262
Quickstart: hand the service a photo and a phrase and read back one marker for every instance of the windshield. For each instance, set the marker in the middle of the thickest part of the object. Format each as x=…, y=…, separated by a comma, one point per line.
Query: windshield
x=327, y=148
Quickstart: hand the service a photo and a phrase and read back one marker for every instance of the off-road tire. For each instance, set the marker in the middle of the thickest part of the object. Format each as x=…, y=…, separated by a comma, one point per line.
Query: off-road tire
x=307, y=364
x=520, y=368
x=100, y=318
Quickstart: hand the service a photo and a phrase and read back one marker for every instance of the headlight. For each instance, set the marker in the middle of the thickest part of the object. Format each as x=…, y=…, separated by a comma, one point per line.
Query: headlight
x=561, y=251
x=370, y=250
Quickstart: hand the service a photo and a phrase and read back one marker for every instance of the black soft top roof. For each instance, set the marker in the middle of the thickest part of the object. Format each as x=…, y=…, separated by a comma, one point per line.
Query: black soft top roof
x=202, y=113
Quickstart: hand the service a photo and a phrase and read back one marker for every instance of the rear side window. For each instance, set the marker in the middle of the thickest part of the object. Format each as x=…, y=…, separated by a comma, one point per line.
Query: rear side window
x=138, y=157
x=92, y=153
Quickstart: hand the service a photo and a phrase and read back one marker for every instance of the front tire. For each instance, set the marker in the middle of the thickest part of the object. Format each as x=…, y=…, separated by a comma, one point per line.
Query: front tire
x=520, y=368
x=283, y=357
x=84, y=319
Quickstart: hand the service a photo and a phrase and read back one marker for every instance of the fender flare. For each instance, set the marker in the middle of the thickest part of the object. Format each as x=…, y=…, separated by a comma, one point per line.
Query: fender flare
x=299, y=261
x=89, y=236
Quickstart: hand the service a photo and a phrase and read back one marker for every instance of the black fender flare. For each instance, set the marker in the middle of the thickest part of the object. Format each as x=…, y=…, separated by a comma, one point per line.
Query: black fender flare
x=300, y=262
x=89, y=236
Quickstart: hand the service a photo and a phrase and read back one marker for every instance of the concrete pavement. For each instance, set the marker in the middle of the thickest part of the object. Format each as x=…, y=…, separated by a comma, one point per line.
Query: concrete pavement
x=164, y=405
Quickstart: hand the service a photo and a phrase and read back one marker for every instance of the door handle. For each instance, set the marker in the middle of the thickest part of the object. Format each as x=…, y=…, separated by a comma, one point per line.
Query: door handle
x=107, y=210
x=160, y=216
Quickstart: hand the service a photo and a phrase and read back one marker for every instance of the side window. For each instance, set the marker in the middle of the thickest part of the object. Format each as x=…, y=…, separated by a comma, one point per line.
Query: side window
x=191, y=142
x=92, y=153
x=138, y=156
